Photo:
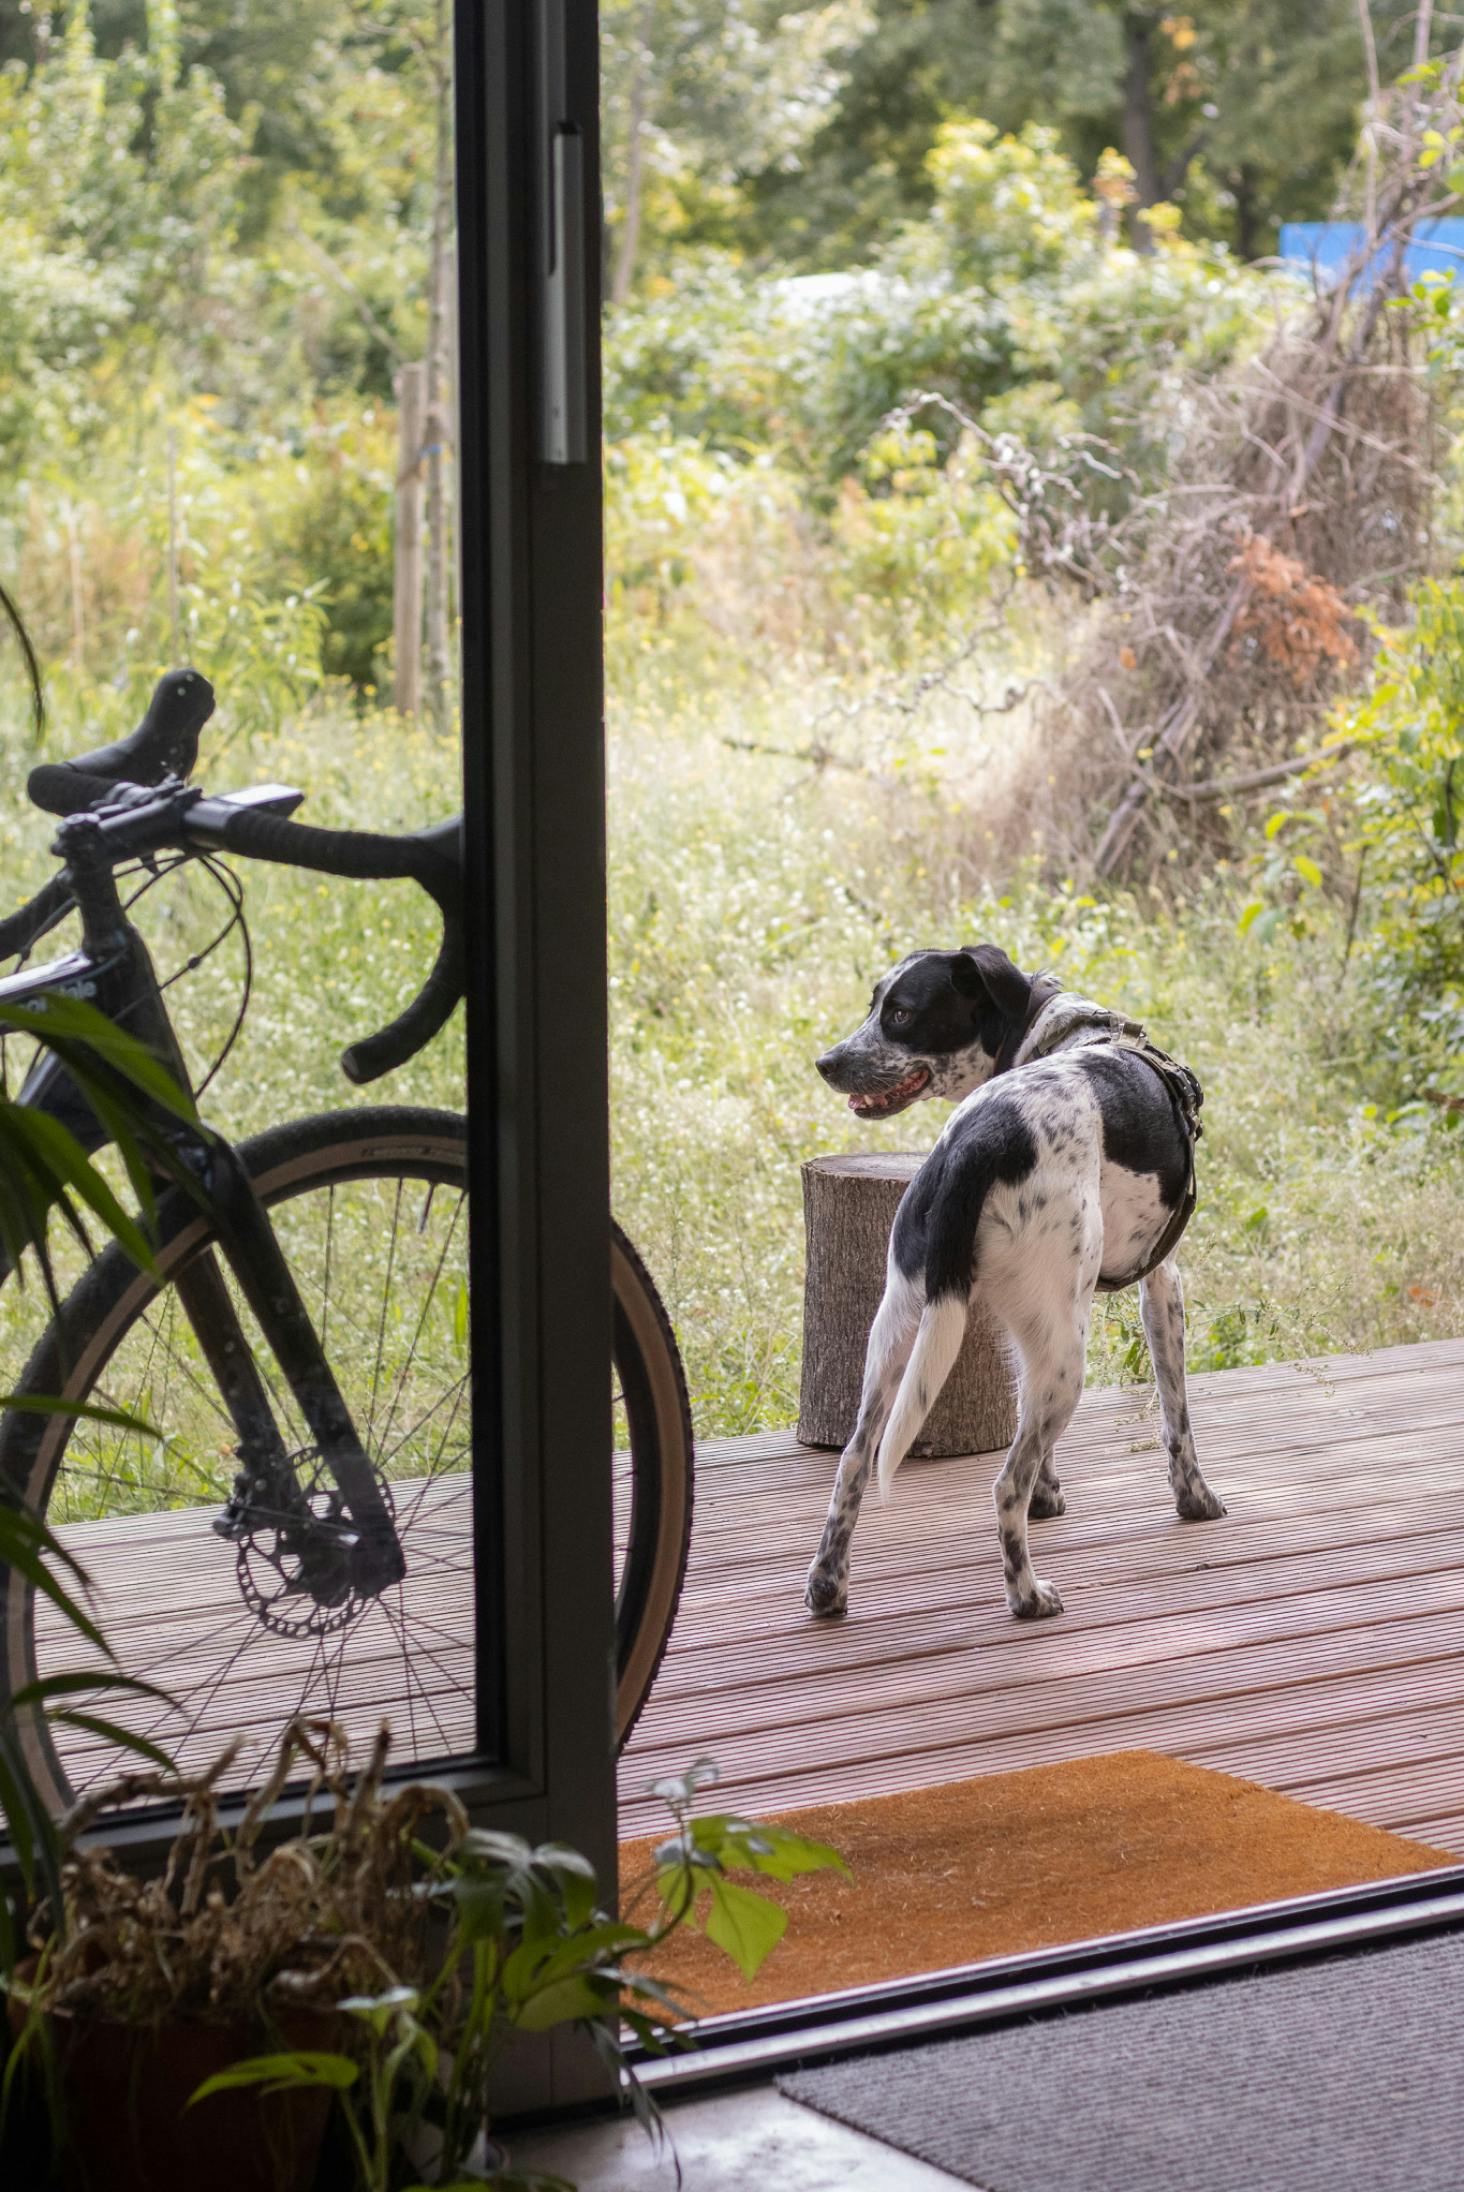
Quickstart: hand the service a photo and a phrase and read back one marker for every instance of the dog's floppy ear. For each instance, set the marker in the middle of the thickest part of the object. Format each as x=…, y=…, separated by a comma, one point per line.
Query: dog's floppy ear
x=982, y=969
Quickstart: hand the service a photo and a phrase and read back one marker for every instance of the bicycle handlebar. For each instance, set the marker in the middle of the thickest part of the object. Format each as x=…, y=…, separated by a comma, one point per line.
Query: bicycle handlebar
x=165, y=743
x=431, y=857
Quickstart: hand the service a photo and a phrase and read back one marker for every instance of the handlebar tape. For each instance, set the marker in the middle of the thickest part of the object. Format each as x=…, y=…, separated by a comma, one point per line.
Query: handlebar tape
x=413, y=1029
x=361, y=855
x=58, y=788
x=431, y=858
x=165, y=743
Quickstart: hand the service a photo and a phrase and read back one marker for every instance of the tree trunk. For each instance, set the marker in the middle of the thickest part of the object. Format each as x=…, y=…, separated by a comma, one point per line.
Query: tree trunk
x=1247, y=213
x=74, y=569
x=437, y=435
x=849, y=1206
x=635, y=156
x=1138, y=119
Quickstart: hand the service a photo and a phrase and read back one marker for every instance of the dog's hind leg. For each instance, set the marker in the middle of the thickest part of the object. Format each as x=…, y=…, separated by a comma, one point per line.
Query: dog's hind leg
x=1051, y=1345
x=1161, y=1305
x=1048, y=1498
x=891, y=1337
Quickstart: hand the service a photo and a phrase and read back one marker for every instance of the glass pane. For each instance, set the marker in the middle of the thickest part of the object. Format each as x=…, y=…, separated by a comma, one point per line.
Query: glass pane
x=229, y=441
x=1020, y=544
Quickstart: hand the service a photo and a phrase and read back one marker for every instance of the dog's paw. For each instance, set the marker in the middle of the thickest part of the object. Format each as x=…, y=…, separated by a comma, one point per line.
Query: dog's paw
x=824, y=1594
x=1047, y=1502
x=1197, y=1503
x=1042, y=1600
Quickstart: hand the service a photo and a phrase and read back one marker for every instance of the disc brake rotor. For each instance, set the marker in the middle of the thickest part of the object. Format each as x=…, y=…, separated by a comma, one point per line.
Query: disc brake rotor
x=294, y=1573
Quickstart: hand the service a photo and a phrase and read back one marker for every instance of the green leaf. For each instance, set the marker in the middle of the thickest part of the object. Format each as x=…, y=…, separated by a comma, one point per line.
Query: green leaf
x=282, y=2074
x=1307, y=869
x=682, y=1788
x=112, y=1732
x=28, y=1546
x=378, y=2010
x=565, y=2002
x=485, y=1844
x=60, y=1157
x=47, y=1686
x=42, y=1404
x=746, y=1925
x=74, y=1029
x=776, y=1852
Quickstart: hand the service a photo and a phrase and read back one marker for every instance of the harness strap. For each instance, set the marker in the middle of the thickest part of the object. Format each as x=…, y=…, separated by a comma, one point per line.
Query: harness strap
x=1180, y=1081
x=1186, y=1095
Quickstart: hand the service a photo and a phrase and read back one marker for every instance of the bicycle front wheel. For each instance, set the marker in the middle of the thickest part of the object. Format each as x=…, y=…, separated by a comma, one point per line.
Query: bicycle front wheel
x=370, y=1208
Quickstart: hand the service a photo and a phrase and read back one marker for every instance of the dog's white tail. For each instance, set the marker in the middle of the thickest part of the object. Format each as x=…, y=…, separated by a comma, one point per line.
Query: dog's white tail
x=932, y=1359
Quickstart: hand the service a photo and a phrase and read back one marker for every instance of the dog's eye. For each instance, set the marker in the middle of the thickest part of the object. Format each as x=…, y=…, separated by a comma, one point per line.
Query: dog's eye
x=899, y=1016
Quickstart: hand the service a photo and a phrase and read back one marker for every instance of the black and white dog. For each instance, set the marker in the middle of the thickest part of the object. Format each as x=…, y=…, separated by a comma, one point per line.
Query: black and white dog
x=1067, y=1166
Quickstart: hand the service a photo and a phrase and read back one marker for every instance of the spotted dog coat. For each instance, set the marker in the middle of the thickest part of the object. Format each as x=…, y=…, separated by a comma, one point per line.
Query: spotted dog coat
x=1063, y=1168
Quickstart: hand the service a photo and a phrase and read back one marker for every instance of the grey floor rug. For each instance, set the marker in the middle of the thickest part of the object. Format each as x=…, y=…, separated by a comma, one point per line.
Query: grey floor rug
x=1344, y=2076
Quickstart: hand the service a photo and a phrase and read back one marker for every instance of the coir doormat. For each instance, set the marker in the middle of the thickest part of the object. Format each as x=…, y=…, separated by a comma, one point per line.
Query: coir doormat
x=1016, y=1861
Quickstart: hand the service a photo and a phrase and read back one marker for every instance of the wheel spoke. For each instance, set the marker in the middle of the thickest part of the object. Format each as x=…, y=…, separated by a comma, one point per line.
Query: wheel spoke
x=373, y=1254
x=248, y=1633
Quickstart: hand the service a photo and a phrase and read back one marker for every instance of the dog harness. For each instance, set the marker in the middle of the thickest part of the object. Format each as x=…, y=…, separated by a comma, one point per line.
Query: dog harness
x=1182, y=1084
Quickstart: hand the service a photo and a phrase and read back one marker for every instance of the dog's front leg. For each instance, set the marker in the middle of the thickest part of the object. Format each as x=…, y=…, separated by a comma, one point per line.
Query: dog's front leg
x=891, y=1337
x=1161, y=1306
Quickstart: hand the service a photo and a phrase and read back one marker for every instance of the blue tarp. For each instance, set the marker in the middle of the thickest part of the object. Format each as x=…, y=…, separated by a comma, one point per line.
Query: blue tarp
x=1328, y=245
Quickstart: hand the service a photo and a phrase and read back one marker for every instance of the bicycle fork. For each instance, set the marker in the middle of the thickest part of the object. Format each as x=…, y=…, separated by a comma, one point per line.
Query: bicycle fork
x=269, y=1287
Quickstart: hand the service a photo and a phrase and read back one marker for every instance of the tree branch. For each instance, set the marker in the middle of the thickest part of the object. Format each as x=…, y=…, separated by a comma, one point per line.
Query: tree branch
x=1230, y=787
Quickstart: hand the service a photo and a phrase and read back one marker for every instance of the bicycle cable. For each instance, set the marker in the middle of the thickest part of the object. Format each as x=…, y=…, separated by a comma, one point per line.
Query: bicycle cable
x=233, y=890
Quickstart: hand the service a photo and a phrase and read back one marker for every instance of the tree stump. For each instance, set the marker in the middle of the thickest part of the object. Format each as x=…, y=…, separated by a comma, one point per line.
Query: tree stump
x=849, y=1206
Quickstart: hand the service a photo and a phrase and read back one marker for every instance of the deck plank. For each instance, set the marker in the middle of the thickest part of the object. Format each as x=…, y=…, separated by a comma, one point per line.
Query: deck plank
x=1312, y=1640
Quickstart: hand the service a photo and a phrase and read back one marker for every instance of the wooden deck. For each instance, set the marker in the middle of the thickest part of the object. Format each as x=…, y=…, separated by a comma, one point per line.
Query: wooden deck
x=1311, y=1640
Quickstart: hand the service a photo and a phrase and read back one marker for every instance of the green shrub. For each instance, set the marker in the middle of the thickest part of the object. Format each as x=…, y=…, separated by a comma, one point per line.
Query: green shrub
x=1372, y=852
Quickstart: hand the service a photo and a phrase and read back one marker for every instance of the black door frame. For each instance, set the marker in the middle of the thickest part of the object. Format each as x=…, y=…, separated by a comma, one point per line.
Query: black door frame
x=533, y=762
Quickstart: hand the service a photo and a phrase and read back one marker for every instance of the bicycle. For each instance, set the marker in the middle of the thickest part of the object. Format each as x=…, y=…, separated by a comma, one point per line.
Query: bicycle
x=322, y=1432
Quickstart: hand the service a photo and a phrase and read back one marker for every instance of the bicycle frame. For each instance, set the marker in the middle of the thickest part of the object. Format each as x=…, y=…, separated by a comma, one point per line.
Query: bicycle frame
x=113, y=970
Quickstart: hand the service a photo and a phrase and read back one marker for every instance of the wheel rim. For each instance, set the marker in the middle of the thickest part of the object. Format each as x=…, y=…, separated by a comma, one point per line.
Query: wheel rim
x=142, y=1524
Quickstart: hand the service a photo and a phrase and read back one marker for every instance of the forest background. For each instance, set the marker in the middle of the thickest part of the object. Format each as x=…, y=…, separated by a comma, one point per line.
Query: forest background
x=927, y=324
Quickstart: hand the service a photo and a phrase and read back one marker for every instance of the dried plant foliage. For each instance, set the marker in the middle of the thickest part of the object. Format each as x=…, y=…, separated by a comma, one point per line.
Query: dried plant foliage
x=1221, y=614
x=1231, y=607
x=234, y=1926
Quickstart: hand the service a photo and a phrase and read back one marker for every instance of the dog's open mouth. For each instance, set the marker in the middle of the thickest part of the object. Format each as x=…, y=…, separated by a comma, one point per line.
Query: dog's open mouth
x=891, y=1099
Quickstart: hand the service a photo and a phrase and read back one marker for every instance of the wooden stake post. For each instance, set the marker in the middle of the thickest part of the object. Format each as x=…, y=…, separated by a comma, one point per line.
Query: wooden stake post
x=849, y=1206
x=411, y=421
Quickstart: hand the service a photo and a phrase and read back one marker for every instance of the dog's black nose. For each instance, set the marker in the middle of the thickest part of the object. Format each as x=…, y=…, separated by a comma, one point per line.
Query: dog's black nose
x=828, y=1064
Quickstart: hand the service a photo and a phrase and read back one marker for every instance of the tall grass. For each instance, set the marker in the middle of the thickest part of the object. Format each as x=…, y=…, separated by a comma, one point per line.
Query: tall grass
x=752, y=904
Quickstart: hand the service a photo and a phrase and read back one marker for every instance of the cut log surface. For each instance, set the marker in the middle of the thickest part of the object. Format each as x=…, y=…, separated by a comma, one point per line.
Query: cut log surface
x=849, y=1206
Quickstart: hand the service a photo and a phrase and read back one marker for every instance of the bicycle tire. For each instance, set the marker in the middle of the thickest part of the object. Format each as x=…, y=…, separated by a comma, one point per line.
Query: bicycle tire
x=648, y=1372
x=375, y=1147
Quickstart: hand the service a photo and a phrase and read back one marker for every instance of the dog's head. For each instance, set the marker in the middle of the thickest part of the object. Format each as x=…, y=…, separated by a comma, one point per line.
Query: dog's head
x=936, y=1026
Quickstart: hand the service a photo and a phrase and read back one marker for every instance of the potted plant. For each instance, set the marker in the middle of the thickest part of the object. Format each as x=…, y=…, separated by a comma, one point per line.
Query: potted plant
x=394, y=1953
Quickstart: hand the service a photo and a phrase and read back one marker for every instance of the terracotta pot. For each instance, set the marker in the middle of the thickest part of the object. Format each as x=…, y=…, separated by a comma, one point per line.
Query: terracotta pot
x=124, y=2091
